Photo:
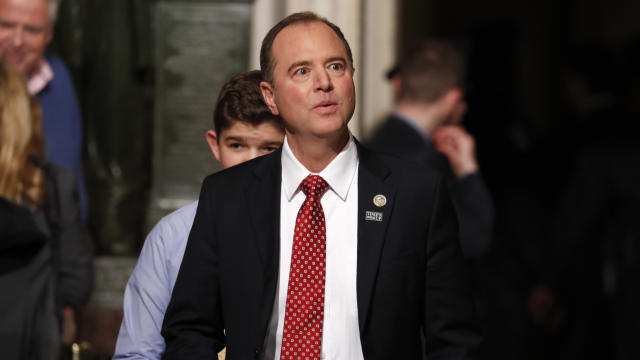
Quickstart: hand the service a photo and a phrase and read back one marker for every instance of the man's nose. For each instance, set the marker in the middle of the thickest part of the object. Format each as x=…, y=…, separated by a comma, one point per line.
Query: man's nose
x=323, y=81
x=17, y=37
x=252, y=154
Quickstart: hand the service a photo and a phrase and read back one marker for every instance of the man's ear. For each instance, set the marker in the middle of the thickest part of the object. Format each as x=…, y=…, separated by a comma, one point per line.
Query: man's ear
x=396, y=85
x=49, y=36
x=212, y=140
x=267, y=94
x=49, y=29
x=454, y=107
x=451, y=99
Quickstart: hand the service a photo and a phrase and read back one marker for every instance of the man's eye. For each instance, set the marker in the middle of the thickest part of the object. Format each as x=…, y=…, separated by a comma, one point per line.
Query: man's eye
x=302, y=71
x=34, y=30
x=336, y=67
x=270, y=148
x=235, y=145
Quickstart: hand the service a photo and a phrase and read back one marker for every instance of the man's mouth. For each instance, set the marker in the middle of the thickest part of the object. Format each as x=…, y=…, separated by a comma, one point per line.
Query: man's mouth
x=14, y=57
x=326, y=106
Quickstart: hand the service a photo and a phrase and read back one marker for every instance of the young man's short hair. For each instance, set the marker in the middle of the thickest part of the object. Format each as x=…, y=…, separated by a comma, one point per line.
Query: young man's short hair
x=240, y=99
x=429, y=70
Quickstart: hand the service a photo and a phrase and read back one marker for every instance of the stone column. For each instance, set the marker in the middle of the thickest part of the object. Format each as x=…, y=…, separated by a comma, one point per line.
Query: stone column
x=198, y=47
x=379, y=54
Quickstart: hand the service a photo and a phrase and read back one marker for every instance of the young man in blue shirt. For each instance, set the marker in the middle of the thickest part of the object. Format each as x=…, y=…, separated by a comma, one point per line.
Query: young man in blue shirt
x=244, y=128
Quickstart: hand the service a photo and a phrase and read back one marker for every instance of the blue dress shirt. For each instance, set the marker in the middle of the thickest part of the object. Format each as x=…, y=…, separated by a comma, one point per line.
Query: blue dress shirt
x=149, y=288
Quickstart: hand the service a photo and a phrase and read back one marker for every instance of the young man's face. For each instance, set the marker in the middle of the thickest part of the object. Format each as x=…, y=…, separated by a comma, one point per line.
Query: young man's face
x=312, y=86
x=242, y=141
x=25, y=32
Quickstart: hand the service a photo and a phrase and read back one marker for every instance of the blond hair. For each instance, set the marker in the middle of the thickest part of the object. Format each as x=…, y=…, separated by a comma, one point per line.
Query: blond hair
x=21, y=144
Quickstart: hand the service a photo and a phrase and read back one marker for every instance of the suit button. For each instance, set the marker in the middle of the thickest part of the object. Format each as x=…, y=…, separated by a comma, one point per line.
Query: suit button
x=256, y=353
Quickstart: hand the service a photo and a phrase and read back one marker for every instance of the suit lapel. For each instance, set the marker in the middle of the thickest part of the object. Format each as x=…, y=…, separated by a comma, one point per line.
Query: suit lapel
x=373, y=180
x=263, y=204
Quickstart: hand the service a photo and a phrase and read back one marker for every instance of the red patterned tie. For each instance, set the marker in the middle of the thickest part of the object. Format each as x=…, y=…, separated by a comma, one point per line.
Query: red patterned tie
x=304, y=313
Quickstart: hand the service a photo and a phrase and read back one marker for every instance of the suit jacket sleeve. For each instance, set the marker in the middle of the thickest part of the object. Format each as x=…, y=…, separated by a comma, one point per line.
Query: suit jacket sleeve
x=193, y=324
x=74, y=259
x=475, y=211
x=449, y=318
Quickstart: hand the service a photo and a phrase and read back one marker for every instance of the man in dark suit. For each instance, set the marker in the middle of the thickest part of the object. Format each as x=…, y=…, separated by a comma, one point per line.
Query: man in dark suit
x=320, y=249
x=425, y=128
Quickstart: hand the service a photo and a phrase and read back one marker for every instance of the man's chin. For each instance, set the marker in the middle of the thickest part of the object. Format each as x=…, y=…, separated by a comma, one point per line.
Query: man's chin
x=18, y=62
x=335, y=134
x=332, y=127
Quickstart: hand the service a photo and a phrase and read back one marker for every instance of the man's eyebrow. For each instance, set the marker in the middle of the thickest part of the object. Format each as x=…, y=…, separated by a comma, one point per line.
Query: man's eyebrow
x=35, y=27
x=234, y=138
x=336, y=58
x=297, y=64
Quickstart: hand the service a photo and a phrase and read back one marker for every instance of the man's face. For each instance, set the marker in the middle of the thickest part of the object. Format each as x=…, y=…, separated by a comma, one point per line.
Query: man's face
x=242, y=142
x=312, y=81
x=25, y=32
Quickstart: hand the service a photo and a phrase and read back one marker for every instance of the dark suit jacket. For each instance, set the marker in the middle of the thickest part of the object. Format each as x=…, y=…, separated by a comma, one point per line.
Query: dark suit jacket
x=470, y=196
x=410, y=273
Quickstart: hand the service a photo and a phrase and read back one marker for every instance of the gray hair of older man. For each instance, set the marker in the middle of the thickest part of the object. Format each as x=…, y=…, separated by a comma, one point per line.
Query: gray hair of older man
x=53, y=10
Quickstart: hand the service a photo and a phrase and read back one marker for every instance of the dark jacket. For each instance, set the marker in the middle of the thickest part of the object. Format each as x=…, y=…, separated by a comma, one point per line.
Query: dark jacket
x=45, y=264
x=470, y=196
x=411, y=278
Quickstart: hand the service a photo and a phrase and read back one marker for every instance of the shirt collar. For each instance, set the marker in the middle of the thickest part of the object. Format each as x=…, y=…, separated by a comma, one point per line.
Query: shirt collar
x=338, y=174
x=40, y=77
x=406, y=119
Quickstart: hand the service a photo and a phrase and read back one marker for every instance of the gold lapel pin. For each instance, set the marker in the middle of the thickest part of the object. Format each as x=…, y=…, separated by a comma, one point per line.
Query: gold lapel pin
x=379, y=200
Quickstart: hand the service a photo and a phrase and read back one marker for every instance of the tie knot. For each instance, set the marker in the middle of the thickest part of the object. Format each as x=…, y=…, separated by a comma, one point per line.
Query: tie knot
x=314, y=185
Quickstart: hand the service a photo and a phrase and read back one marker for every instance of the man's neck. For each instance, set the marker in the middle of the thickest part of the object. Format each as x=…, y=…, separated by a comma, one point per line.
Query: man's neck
x=425, y=116
x=316, y=153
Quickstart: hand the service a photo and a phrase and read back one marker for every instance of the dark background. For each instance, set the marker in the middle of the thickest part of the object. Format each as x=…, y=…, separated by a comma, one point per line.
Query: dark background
x=552, y=89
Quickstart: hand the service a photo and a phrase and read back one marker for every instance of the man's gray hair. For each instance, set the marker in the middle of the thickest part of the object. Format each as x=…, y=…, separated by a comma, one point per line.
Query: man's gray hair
x=53, y=11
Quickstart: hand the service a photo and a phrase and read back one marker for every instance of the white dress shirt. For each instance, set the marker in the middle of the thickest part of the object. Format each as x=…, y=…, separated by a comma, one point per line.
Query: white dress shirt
x=341, y=335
